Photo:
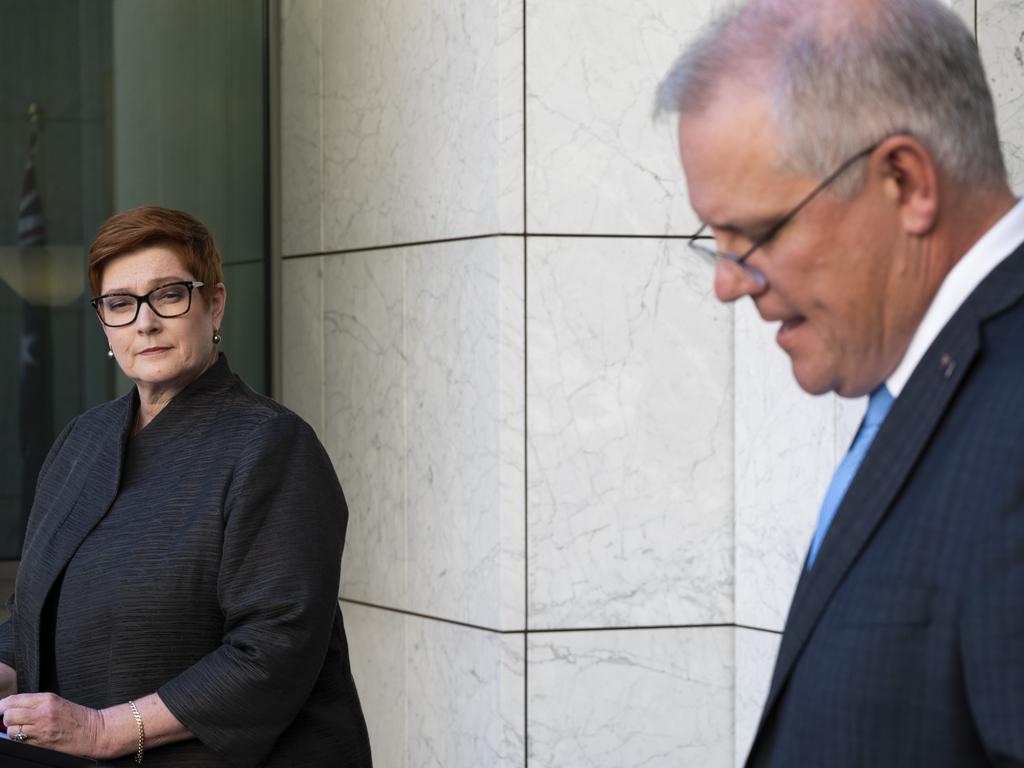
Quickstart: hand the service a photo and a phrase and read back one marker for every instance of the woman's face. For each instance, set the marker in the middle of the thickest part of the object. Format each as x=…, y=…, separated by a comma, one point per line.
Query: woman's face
x=161, y=355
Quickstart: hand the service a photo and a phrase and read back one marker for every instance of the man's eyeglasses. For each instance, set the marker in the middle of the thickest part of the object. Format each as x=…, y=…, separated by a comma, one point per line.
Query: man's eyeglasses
x=170, y=300
x=741, y=259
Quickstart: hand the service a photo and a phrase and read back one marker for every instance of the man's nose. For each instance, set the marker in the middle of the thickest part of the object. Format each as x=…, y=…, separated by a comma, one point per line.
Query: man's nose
x=733, y=282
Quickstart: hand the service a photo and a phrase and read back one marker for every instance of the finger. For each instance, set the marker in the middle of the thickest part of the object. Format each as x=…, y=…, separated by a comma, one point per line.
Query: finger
x=22, y=700
x=18, y=716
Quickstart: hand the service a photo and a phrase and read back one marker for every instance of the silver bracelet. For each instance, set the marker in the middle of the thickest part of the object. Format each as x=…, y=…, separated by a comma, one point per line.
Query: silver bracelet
x=142, y=732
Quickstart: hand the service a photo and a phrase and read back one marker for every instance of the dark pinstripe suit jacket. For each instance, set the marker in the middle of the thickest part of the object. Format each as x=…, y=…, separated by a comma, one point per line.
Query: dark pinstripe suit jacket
x=199, y=559
x=904, y=645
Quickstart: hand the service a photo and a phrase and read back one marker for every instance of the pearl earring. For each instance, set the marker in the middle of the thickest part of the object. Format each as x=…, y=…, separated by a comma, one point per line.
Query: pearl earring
x=216, y=337
x=110, y=352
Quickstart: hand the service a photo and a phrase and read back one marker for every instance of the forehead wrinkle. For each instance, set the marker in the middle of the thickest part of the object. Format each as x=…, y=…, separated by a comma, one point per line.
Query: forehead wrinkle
x=155, y=282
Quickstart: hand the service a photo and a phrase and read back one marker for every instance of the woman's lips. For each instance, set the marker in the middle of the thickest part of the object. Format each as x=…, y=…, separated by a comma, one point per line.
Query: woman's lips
x=150, y=351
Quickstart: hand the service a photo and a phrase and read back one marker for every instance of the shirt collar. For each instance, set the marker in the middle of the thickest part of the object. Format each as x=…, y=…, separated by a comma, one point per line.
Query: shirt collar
x=984, y=256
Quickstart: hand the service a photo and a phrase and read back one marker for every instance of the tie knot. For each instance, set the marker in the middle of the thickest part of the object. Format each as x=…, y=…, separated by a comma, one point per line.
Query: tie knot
x=878, y=406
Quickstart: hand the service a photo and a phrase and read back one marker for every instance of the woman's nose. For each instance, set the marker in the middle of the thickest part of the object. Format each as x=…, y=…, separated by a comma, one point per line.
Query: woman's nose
x=147, y=319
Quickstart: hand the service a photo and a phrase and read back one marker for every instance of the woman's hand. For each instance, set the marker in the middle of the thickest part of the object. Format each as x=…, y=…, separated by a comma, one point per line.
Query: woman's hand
x=8, y=680
x=49, y=721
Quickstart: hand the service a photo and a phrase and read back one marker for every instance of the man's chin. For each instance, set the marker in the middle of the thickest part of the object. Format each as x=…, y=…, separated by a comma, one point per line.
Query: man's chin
x=813, y=382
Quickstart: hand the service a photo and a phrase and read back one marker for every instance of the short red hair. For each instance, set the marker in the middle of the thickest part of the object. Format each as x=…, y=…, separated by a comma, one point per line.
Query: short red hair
x=151, y=225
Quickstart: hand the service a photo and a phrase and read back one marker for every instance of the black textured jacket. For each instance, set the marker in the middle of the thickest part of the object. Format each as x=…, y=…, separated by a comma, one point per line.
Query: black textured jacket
x=198, y=559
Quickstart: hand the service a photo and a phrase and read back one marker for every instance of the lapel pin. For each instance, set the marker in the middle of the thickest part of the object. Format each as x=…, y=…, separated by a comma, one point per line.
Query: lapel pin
x=948, y=365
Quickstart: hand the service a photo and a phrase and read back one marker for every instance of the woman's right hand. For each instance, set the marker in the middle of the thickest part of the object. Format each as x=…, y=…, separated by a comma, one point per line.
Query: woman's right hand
x=49, y=721
x=8, y=680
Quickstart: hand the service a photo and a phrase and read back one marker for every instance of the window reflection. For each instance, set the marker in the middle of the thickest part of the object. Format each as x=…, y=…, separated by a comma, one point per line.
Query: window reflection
x=103, y=106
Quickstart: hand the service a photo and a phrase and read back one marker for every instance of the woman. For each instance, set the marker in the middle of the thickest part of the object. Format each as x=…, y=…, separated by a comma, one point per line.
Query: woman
x=177, y=598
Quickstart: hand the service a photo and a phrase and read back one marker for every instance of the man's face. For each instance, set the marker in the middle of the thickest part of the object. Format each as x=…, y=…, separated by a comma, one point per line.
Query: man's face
x=835, y=279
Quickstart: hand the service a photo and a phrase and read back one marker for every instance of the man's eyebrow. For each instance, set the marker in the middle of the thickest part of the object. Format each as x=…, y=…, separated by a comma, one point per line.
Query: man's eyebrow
x=745, y=227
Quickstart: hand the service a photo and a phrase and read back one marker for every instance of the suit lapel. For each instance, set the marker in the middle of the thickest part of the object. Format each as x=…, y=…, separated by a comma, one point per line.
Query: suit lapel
x=900, y=442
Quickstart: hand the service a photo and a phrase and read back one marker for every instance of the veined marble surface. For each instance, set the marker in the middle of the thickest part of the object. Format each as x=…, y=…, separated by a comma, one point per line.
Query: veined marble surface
x=465, y=697
x=301, y=103
x=629, y=436
x=378, y=652
x=512, y=408
x=364, y=417
x=421, y=113
x=785, y=456
x=302, y=339
x=628, y=698
x=424, y=419
x=595, y=161
x=755, y=661
x=464, y=445
x=1001, y=41
x=511, y=118
x=437, y=695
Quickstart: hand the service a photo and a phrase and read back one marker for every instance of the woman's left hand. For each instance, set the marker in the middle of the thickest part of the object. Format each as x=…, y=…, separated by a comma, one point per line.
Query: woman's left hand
x=49, y=721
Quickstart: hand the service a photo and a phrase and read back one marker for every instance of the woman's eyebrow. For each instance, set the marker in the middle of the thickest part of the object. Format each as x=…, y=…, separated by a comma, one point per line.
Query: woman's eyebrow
x=156, y=282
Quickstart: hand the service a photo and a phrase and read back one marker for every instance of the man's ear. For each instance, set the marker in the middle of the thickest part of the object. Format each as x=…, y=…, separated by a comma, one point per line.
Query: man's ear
x=911, y=180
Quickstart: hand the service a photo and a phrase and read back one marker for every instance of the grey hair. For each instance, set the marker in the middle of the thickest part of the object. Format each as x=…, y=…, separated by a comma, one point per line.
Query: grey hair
x=841, y=76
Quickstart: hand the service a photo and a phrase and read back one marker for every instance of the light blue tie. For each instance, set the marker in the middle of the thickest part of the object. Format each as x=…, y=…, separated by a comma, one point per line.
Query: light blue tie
x=878, y=406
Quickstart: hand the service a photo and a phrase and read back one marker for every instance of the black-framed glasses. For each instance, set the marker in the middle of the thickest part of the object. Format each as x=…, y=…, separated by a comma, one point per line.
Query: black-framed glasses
x=171, y=300
x=741, y=260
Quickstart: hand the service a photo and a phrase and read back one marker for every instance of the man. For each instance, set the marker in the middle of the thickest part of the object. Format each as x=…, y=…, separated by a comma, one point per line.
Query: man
x=844, y=156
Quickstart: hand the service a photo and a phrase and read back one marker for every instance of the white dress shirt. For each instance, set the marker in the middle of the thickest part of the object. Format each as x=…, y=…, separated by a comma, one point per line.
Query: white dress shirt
x=975, y=265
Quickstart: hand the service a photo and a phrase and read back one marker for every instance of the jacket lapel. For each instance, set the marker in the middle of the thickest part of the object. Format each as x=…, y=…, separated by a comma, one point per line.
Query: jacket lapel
x=76, y=492
x=901, y=440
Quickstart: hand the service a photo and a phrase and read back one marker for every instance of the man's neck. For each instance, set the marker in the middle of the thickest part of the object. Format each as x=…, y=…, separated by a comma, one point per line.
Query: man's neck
x=971, y=216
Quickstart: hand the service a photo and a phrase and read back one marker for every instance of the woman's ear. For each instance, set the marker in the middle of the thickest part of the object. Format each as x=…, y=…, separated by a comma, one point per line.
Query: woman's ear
x=218, y=302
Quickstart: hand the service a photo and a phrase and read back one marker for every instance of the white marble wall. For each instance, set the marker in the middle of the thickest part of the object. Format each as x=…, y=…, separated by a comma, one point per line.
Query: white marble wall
x=787, y=445
x=580, y=489
x=754, y=661
x=423, y=348
x=435, y=694
x=1000, y=34
x=422, y=411
x=595, y=162
x=658, y=698
x=419, y=119
x=630, y=425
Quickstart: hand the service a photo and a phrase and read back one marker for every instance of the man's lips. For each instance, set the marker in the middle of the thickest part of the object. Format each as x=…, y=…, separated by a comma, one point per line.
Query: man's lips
x=788, y=329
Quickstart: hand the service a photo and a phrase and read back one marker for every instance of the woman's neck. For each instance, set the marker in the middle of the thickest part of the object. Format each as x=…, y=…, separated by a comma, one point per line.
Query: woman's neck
x=153, y=398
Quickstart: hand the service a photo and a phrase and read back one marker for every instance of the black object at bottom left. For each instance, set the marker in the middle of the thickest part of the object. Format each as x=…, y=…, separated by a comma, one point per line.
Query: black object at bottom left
x=13, y=755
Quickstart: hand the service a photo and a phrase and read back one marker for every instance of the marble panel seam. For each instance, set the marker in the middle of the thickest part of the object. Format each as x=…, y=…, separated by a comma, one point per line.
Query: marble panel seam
x=396, y=246
x=766, y=630
x=482, y=236
x=431, y=617
x=552, y=630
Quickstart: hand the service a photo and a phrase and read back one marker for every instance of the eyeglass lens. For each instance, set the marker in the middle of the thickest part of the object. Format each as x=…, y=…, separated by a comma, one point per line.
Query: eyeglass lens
x=167, y=301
